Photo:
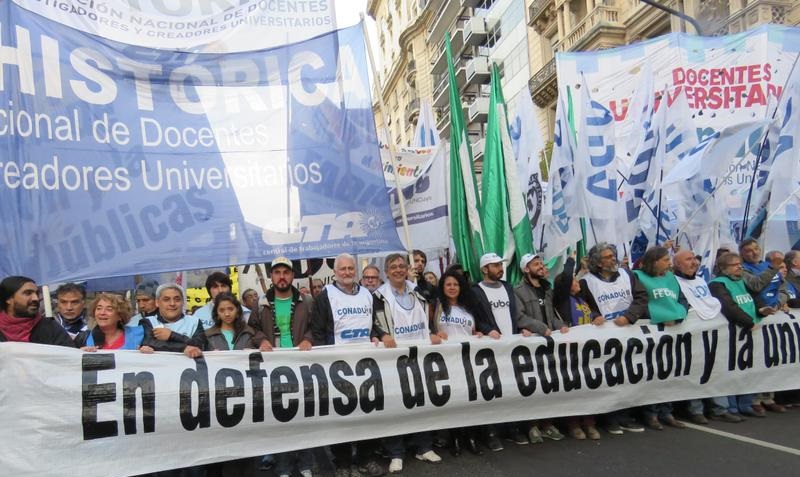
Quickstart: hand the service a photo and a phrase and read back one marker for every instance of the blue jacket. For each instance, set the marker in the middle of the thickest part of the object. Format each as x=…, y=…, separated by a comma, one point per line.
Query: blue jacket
x=770, y=294
x=133, y=337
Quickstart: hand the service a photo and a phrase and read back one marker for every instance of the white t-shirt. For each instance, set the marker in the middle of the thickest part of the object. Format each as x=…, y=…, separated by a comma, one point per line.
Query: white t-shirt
x=501, y=307
x=459, y=323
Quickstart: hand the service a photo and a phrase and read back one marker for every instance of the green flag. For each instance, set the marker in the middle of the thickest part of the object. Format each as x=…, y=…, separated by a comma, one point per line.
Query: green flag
x=507, y=230
x=465, y=220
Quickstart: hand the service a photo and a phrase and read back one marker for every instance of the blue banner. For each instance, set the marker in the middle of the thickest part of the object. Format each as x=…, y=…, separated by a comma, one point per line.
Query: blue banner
x=121, y=160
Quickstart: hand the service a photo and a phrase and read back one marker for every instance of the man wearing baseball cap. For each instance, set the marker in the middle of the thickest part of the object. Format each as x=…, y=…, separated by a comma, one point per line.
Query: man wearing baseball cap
x=145, y=295
x=535, y=298
x=500, y=313
x=284, y=322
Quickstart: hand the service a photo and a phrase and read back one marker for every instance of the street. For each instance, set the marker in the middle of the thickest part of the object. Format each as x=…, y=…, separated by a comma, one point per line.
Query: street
x=757, y=447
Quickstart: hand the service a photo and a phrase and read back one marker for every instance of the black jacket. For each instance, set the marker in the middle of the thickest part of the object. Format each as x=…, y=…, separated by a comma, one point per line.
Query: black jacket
x=176, y=342
x=485, y=322
x=47, y=331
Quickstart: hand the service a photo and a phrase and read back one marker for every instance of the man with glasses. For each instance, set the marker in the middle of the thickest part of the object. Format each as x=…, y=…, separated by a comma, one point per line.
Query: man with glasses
x=615, y=295
x=739, y=307
x=405, y=315
x=371, y=278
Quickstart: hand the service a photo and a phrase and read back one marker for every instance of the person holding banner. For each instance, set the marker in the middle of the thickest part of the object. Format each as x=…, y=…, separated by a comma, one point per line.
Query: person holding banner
x=407, y=316
x=170, y=329
x=694, y=288
x=343, y=313
x=534, y=297
x=20, y=319
x=574, y=311
x=456, y=317
x=771, y=293
x=109, y=315
x=739, y=307
x=145, y=295
x=230, y=333
x=284, y=322
x=792, y=262
x=665, y=304
x=615, y=295
x=285, y=318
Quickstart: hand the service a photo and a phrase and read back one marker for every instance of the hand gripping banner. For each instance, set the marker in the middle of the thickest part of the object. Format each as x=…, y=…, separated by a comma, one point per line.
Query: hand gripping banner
x=236, y=404
x=120, y=159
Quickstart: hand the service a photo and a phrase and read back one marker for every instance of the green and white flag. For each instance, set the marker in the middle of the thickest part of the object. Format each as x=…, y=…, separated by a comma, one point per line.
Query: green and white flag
x=465, y=220
x=507, y=230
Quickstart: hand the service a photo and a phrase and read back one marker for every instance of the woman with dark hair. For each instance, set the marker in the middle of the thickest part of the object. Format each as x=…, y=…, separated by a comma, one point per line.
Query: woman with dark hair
x=229, y=331
x=455, y=316
x=666, y=305
x=457, y=310
x=108, y=315
x=663, y=292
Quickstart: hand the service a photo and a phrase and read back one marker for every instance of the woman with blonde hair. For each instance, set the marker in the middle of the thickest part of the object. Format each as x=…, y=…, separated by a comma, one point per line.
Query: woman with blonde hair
x=108, y=315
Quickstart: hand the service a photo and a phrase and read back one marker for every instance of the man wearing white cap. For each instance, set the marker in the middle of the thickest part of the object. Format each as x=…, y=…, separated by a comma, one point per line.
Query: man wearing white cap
x=535, y=297
x=496, y=299
x=500, y=317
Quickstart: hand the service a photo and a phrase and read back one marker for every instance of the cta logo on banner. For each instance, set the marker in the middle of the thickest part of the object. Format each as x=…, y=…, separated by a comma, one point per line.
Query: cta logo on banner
x=126, y=160
x=200, y=26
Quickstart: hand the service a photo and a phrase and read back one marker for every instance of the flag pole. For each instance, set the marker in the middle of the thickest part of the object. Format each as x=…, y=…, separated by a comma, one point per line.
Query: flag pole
x=760, y=149
x=389, y=143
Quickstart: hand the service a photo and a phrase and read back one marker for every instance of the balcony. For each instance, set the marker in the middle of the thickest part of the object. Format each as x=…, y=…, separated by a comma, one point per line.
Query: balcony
x=412, y=111
x=544, y=85
x=541, y=14
x=477, y=152
x=754, y=13
x=411, y=72
x=478, y=110
x=601, y=28
x=442, y=21
x=474, y=31
x=441, y=95
x=439, y=56
x=443, y=122
x=478, y=70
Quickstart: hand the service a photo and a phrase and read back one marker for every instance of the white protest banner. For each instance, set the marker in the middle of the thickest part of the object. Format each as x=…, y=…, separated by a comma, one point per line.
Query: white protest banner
x=422, y=174
x=204, y=26
x=118, y=409
x=726, y=80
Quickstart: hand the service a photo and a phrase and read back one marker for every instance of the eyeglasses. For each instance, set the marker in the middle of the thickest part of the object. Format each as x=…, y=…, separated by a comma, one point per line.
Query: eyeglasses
x=371, y=277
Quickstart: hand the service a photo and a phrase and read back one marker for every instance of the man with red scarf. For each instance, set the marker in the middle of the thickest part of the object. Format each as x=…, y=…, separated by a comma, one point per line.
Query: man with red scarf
x=20, y=319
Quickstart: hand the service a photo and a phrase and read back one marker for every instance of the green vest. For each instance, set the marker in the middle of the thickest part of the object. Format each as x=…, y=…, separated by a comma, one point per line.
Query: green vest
x=662, y=297
x=740, y=296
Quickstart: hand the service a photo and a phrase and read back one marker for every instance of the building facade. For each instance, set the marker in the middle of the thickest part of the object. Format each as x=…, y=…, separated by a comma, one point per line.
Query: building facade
x=522, y=38
x=411, y=44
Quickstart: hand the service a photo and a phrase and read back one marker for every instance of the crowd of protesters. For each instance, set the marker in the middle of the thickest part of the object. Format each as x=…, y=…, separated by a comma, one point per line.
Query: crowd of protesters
x=411, y=304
